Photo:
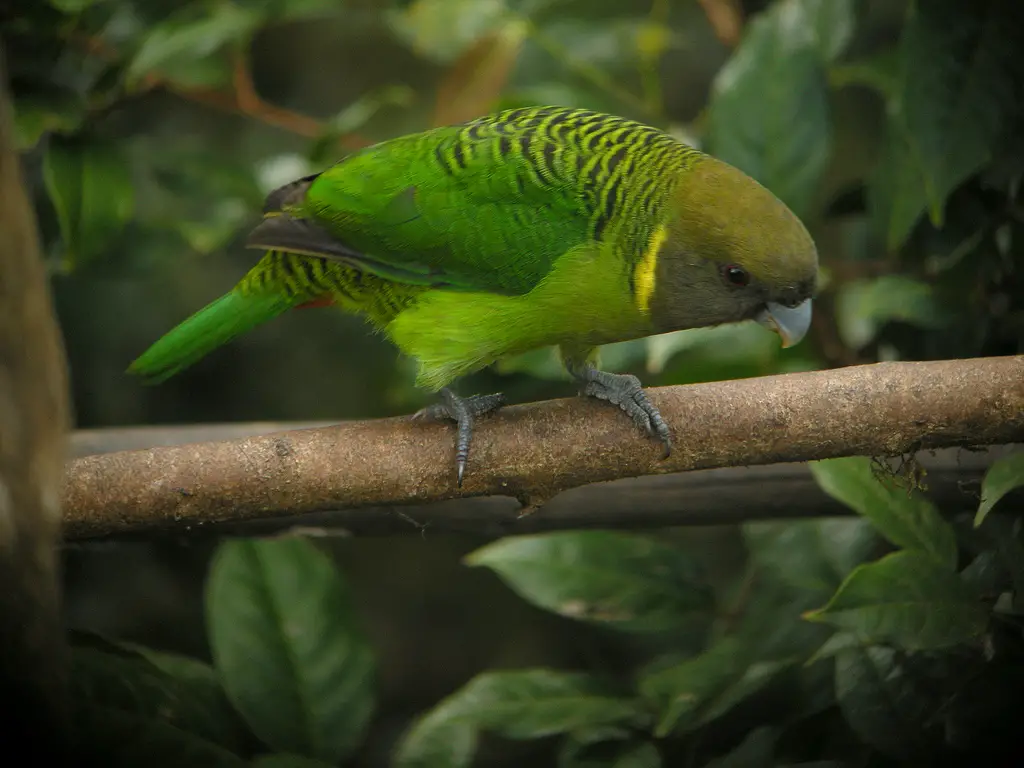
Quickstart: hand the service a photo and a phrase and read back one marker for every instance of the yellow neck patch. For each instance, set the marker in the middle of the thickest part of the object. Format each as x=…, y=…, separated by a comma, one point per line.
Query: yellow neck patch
x=644, y=273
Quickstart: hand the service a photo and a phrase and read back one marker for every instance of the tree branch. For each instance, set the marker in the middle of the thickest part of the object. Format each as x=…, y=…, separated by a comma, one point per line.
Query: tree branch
x=534, y=452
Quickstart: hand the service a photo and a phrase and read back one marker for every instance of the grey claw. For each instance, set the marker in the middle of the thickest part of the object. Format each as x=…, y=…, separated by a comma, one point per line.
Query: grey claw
x=463, y=412
x=625, y=391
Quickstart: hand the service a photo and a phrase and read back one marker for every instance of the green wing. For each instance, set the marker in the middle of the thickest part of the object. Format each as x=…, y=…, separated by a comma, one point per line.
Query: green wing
x=489, y=205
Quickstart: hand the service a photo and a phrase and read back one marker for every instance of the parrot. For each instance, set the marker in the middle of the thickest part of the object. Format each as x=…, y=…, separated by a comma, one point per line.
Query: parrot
x=529, y=228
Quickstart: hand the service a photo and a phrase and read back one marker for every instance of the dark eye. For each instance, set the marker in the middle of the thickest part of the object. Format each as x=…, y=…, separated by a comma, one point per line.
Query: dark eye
x=735, y=275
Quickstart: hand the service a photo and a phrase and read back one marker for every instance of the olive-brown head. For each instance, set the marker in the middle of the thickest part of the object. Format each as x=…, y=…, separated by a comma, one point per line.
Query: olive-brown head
x=729, y=251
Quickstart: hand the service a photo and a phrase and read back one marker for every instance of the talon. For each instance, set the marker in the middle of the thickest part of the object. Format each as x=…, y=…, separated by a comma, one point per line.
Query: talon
x=625, y=391
x=462, y=411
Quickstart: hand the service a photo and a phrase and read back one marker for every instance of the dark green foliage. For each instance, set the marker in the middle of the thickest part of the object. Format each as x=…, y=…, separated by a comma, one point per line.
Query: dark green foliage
x=899, y=657
x=895, y=129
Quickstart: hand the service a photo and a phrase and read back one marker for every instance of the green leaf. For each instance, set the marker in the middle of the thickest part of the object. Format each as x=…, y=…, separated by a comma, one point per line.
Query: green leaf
x=174, y=48
x=283, y=636
x=811, y=555
x=833, y=23
x=533, y=703
x=74, y=6
x=906, y=518
x=700, y=689
x=629, y=582
x=881, y=701
x=439, y=739
x=840, y=641
x=608, y=754
x=906, y=599
x=987, y=574
x=769, y=113
x=52, y=108
x=896, y=194
x=879, y=71
x=443, y=29
x=958, y=92
x=526, y=704
x=90, y=186
x=180, y=693
x=863, y=307
x=1003, y=476
x=287, y=760
x=757, y=750
x=123, y=738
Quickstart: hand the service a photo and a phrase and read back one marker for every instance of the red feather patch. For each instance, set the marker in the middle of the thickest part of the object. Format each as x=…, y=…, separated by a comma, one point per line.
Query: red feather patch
x=322, y=301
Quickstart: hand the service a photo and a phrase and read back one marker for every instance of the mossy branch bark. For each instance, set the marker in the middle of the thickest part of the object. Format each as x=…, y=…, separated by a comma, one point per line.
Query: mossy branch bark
x=535, y=452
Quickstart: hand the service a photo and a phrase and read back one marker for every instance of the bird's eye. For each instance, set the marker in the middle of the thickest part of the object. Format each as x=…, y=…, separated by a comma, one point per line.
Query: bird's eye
x=735, y=275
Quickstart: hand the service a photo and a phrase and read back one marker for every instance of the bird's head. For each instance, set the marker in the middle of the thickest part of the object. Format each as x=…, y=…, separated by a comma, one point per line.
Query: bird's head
x=729, y=251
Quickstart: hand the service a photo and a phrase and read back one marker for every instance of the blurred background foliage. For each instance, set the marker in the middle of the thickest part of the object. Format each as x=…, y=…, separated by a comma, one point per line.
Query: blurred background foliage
x=152, y=129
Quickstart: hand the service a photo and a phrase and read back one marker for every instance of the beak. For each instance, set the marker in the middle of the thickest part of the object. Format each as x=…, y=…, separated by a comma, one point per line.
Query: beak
x=791, y=323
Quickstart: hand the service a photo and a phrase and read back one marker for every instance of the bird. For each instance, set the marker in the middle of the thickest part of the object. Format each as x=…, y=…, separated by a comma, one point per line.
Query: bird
x=527, y=228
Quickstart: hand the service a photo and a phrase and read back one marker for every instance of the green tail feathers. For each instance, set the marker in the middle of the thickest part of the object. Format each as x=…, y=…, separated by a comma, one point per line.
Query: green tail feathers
x=212, y=326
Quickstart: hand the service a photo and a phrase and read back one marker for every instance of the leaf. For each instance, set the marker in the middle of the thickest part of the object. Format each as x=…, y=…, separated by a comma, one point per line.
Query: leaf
x=905, y=518
x=608, y=754
x=533, y=703
x=174, y=47
x=987, y=575
x=959, y=88
x=863, y=307
x=896, y=194
x=438, y=739
x=125, y=739
x=522, y=704
x=769, y=113
x=155, y=689
x=1005, y=474
x=881, y=702
x=352, y=118
x=283, y=636
x=840, y=641
x=700, y=689
x=287, y=760
x=833, y=23
x=90, y=186
x=50, y=108
x=476, y=80
x=629, y=582
x=757, y=750
x=810, y=555
x=443, y=29
x=879, y=71
x=906, y=599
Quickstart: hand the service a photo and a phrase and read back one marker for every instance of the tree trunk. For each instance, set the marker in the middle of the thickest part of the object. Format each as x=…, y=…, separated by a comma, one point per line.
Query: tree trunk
x=33, y=422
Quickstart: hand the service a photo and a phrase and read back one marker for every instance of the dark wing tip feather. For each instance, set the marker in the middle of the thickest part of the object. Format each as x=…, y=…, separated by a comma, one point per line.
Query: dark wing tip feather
x=289, y=195
x=286, y=233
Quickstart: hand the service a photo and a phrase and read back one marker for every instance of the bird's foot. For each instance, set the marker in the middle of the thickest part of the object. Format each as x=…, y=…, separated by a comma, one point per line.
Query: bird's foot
x=624, y=390
x=461, y=410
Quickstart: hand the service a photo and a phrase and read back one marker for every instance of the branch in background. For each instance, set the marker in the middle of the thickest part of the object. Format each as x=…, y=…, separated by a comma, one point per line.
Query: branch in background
x=726, y=19
x=242, y=99
x=534, y=452
x=33, y=420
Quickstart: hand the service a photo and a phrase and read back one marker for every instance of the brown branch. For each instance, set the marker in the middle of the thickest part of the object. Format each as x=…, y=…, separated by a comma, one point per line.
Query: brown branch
x=726, y=19
x=534, y=452
x=242, y=99
x=33, y=420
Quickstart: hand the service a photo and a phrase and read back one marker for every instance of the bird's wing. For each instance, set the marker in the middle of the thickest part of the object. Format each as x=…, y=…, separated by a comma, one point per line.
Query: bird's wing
x=489, y=205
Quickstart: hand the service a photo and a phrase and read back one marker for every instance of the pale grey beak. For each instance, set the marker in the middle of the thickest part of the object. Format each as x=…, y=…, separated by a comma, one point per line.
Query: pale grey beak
x=791, y=323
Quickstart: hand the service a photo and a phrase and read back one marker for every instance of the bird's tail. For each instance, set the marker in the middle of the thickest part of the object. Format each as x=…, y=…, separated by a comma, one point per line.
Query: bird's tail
x=215, y=324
